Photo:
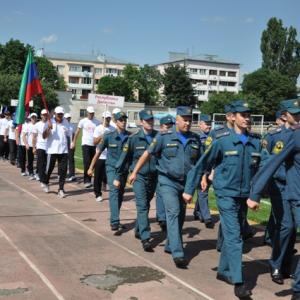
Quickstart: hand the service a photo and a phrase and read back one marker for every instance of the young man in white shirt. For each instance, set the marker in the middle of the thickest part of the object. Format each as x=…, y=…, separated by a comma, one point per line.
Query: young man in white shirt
x=56, y=133
x=88, y=126
x=100, y=171
x=3, y=138
x=10, y=133
x=40, y=146
x=27, y=139
x=20, y=129
x=71, y=153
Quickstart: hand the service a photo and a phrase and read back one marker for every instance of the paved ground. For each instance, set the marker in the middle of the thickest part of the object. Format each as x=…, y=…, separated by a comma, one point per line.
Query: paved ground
x=54, y=248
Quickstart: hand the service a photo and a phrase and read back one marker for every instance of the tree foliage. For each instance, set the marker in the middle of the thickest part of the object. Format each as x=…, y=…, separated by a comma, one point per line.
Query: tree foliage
x=109, y=85
x=280, y=49
x=178, y=87
x=265, y=88
x=13, y=57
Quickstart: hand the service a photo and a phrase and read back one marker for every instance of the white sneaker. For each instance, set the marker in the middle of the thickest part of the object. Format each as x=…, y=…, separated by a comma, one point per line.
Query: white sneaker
x=61, y=194
x=99, y=199
x=45, y=187
x=37, y=178
x=88, y=185
x=23, y=174
x=31, y=177
x=71, y=178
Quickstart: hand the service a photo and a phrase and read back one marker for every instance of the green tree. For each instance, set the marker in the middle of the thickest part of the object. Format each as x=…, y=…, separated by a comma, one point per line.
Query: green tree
x=149, y=81
x=280, y=49
x=109, y=85
x=9, y=87
x=13, y=57
x=265, y=88
x=178, y=87
x=48, y=73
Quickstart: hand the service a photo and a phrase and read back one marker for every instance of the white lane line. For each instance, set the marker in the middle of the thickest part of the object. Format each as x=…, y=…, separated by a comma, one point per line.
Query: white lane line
x=33, y=267
x=175, y=278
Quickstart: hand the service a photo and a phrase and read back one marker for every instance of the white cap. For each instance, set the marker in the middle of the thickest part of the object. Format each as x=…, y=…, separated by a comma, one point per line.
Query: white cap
x=67, y=115
x=33, y=115
x=90, y=109
x=106, y=114
x=44, y=112
x=116, y=110
x=59, y=110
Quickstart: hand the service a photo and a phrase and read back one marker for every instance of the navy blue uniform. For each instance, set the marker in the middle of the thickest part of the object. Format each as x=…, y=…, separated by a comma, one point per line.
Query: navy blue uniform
x=175, y=159
x=114, y=142
x=235, y=163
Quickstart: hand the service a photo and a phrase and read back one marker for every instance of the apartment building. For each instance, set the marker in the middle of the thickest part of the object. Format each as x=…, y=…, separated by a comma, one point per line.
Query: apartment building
x=208, y=73
x=82, y=72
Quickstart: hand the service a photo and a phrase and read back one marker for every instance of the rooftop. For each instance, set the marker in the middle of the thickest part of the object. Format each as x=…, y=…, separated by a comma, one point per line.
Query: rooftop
x=92, y=58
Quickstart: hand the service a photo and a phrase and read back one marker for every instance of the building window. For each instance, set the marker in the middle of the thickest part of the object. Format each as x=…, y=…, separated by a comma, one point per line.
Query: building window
x=86, y=69
x=98, y=70
x=73, y=79
x=200, y=93
x=213, y=72
x=82, y=113
x=213, y=82
x=86, y=80
x=202, y=71
x=75, y=68
x=222, y=73
x=231, y=74
x=193, y=70
x=74, y=91
x=97, y=81
x=60, y=69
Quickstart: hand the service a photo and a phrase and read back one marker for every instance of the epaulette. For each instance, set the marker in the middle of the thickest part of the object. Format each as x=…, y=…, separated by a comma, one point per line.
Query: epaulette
x=223, y=133
x=255, y=135
x=274, y=131
x=135, y=133
x=166, y=132
x=294, y=127
x=219, y=128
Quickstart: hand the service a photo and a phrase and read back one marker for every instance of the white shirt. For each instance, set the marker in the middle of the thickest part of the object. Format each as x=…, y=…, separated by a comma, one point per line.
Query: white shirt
x=29, y=133
x=11, y=130
x=100, y=130
x=57, y=142
x=3, y=126
x=88, y=126
x=23, y=131
x=38, y=129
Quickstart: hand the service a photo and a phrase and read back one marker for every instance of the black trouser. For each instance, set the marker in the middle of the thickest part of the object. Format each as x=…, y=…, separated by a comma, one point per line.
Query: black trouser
x=22, y=158
x=71, y=160
x=62, y=160
x=88, y=153
x=12, y=151
x=3, y=148
x=30, y=158
x=41, y=164
x=99, y=176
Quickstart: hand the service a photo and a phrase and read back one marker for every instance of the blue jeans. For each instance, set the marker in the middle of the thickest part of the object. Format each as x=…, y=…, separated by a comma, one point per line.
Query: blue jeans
x=144, y=188
x=115, y=196
x=231, y=217
x=175, y=213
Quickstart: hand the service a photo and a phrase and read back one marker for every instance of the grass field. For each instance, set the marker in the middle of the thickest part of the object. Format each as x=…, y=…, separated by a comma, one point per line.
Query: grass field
x=260, y=217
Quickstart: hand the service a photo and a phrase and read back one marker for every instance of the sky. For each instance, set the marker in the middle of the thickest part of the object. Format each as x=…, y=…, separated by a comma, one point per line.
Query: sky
x=144, y=31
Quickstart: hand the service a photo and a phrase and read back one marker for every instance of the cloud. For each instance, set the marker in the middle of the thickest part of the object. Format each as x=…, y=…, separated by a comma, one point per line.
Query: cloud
x=106, y=30
x=213, y=19
x=18, y=13
x=52, y=38
x=249, y=20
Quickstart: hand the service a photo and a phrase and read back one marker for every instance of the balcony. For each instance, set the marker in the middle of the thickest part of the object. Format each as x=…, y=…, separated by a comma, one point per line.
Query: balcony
x=80, y=74
x=80, y=86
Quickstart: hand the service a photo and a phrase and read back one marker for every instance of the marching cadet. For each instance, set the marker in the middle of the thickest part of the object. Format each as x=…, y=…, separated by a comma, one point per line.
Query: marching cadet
x=283, y=235
x=290, y=154
x=177, y=150
x=71, y=152
x=114, y=143
x=166, y=123
x=145, y=184
x=201, y=210
x=235, y=155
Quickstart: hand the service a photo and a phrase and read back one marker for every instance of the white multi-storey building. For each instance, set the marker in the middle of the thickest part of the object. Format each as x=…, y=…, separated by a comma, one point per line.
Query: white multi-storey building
x=82, y=72
x=208, y=73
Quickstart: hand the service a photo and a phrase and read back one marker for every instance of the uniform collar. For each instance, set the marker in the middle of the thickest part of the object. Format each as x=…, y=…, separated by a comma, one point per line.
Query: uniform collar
x=236, y=140
x=189, y=136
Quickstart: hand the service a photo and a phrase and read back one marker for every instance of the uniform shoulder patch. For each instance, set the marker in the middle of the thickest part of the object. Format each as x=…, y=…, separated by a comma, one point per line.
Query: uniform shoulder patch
x=222, y=133
x=278, y=147
x=272, y=132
